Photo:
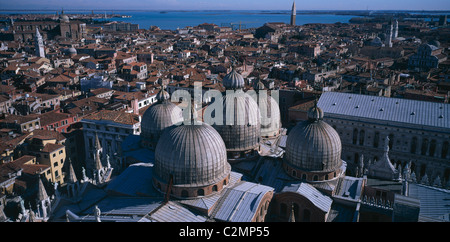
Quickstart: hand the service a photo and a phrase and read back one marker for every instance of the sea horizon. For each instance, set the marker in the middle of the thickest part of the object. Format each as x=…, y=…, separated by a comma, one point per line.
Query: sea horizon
x=244, y=19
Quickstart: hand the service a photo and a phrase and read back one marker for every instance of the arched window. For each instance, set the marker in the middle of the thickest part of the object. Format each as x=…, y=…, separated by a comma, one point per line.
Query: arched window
x=376, y=139
x=391, y=141
x=445, y=147
x=306, y=215
x=200, y=192
x=413, y=145
x=424, y=147
x=214, y=188
x=296, y=210
x=326, y=177
x=361, y=137
x=432, y=147
x=355, y=136
x=294, y=173
x=303, y=176
x=315, y=178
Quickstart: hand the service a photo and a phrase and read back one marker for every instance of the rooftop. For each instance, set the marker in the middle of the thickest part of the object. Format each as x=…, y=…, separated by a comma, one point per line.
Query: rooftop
x=402, y=111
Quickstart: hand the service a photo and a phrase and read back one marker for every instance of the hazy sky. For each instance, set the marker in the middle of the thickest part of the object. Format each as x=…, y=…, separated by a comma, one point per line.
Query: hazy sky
x=227, y=4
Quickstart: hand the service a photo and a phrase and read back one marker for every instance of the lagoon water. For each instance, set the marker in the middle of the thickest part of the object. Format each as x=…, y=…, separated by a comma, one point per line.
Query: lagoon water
x=179, y=19
x=248, y=19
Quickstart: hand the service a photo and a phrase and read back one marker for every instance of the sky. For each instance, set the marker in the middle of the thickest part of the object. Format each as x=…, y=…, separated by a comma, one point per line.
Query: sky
x=225, y=4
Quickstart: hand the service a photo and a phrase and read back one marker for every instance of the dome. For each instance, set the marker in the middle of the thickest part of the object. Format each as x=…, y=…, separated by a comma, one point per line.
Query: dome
x=314, y=145
x=435, y=43
x=193, y=155
x=270, y=117
x=233, y=80
x=240, y=127
x=64, y=18
x=270, y=114
x=71, y=51
x=158, y=117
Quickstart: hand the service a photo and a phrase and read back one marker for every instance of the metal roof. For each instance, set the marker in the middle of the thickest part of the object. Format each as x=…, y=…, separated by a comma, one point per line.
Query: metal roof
x=349, y=188
x=119, y=206
x=136, y=180
x=319, y=200
x=173, y=212
x=240, y=203
x=434, y=202
x=387, y=109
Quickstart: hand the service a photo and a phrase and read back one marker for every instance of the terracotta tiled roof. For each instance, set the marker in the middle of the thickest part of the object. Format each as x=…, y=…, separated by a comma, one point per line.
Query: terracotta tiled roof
x=49, y=148
x=115, y=116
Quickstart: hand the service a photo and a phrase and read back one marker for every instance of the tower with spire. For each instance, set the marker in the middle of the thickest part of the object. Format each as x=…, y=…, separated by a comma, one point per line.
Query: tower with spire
x=395, y=29
x=39, y=44
x=389, y=35
x=293, y=14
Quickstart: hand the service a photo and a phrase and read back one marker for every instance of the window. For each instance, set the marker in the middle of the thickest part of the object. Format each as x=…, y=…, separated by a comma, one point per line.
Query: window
x=54, y=155
x=214, y=188
x=424, y=147
x=413, y=145
x=445, y=147
x=361, y=137
x=55, y=164
x=306, y=215
x=432, y=147
x=376, y=139
x=391, y=141
x=201, y=192
x=315, y=178
x=355, y=136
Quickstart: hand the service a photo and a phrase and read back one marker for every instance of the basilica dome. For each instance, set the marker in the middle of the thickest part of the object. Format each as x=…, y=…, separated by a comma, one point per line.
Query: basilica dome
x=240, y=127
x=269, y=111
x=158, y=117
x=194, y=157
x=233, y=80
x=313, y=145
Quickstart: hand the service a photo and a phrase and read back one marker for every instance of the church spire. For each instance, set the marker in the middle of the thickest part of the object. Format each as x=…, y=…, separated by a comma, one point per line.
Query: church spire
x=39, y=44
x=72, y=177
x=293, y=14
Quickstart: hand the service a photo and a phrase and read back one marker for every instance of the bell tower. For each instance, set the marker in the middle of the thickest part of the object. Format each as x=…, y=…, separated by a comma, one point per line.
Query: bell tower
x=293, y=14
x=39, y=44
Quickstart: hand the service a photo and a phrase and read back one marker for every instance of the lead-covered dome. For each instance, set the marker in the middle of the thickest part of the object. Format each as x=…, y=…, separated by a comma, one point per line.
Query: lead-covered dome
x=269, y=112
x=158, y=117
x=314, y=145
x=233, y=80
x=194, y=157
x=240, y=125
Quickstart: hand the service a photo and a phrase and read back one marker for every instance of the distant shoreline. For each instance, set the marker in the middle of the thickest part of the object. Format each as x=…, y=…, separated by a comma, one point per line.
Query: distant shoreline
x=211, y=10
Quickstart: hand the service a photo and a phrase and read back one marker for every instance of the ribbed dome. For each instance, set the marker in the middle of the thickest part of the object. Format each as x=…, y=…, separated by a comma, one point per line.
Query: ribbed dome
x=270, y=116
x=233, y=80
x=71, y=51
x=158, y=117
x=194, y=154
x=240, y=128
x=162, y=95
x=314, y=145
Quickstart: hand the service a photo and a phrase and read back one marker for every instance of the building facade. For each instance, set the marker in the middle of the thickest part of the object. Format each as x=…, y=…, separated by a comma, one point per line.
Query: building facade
x=110, y=128
x=418, y=131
